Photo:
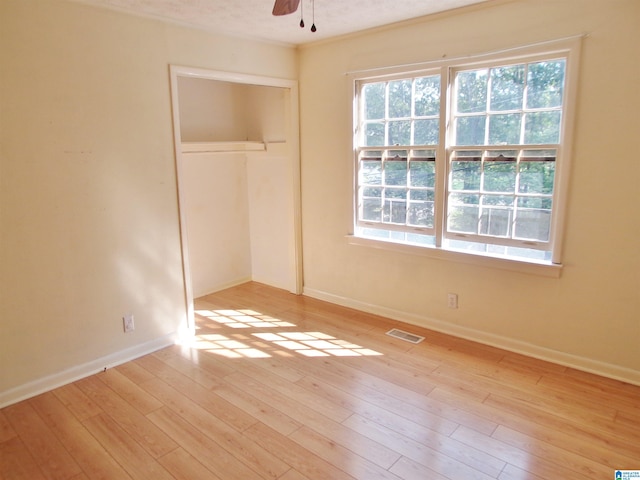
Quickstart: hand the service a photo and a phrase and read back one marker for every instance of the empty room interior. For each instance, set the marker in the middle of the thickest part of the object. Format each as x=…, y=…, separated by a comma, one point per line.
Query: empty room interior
x=319, y=239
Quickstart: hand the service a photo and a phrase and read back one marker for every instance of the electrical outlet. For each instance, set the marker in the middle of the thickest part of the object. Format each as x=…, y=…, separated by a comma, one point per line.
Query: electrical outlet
x=452, y=300
x=127, y=322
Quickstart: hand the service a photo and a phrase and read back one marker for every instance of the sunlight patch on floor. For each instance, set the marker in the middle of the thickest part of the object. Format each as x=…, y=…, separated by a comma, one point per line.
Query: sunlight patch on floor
x=243, y=319
x=265, y=344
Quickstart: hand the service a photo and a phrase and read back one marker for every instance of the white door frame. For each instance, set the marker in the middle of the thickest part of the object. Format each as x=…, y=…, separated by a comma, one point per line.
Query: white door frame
x=292, y=136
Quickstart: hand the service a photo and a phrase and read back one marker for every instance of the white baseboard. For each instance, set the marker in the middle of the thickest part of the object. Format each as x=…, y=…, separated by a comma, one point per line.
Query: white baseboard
x=517, y=346
x=272, y=282
x=221, y=286
x=254, y=278
x=78, y=372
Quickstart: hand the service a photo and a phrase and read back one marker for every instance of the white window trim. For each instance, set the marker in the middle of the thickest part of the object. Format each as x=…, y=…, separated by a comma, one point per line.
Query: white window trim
x=569, y=48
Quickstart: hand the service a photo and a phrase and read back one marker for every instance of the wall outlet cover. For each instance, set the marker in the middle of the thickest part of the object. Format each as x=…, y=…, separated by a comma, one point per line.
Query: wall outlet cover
x=128, y=324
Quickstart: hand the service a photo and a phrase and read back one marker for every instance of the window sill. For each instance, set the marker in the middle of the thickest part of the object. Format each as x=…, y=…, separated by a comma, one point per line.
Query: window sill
x=550, y=270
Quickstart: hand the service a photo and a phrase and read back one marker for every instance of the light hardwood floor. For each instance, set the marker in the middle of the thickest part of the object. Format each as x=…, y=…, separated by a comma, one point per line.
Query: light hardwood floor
x=283, y=387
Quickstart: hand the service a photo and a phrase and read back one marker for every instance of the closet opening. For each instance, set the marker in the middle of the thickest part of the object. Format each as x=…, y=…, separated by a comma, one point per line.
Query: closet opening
x=238, y=174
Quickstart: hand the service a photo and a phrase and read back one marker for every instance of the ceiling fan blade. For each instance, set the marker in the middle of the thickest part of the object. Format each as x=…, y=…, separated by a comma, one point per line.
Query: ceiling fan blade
x=285, y=7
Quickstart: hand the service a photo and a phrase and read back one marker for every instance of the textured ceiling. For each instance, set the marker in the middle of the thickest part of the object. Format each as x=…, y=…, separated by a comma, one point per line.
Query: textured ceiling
x=253, y=19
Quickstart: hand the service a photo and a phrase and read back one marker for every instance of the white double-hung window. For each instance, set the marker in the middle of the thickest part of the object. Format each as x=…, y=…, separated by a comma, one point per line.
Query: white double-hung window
x=468, y=155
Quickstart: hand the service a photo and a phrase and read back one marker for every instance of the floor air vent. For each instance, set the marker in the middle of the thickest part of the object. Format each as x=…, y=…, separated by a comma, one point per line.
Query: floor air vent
x=406, y=336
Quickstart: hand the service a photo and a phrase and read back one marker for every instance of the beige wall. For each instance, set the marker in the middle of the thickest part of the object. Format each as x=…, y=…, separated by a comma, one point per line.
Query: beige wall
x=589, y=317
x=89, y=219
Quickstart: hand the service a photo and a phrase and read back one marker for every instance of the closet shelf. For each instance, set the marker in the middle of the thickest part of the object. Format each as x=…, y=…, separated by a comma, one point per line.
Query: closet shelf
x=223, y=147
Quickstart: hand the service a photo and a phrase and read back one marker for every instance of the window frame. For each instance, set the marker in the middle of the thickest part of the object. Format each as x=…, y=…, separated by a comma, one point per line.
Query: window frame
x=567, y=49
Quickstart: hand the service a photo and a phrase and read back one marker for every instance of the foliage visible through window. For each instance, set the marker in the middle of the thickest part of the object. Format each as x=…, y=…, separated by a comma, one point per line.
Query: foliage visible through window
x=476, y=170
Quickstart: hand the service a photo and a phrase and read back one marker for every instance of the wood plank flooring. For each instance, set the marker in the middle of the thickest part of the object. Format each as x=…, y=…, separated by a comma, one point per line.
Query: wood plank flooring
x=277, y=386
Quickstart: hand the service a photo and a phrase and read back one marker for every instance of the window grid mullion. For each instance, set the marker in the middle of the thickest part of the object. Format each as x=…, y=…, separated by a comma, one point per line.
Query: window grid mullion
x=383, y=196
x=483, y=159
x=386, y=113
x=516, y=193
x=441, y=174
x=487, y=108
x=525, y=92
